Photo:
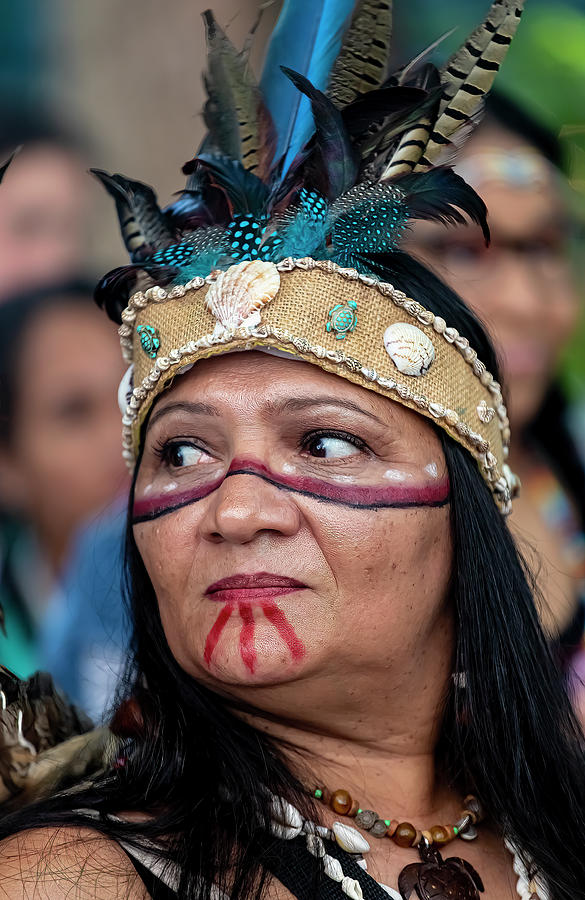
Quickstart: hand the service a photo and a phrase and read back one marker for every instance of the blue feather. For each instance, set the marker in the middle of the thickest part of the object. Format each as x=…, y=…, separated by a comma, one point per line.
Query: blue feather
x=307, y=38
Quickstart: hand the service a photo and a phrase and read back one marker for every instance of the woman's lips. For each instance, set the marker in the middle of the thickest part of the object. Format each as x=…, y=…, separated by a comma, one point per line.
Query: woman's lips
x=258, y=586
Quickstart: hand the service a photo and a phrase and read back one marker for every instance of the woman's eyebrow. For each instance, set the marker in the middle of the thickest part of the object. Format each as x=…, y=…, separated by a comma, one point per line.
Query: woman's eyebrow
x=193, y=408
x=298, y=404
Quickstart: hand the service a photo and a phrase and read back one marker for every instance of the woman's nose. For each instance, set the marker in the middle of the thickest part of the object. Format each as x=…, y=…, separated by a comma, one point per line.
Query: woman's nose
x=245, y=506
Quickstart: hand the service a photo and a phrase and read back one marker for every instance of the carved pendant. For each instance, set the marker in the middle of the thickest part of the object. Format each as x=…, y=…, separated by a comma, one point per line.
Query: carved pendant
x=435, y=878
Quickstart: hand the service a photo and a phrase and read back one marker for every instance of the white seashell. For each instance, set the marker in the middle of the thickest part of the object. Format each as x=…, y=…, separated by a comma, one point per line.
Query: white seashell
x=410, y=350
x=315, y=846
x=352, y=888
x=485, y=413
x=238, y=294
x=283, y=813
x=125, y=389
x=284, y=831
x=349, y=839
x=332, y=868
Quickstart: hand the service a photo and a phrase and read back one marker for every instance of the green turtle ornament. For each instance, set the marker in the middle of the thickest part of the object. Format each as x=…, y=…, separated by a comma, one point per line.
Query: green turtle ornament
x=342, y=319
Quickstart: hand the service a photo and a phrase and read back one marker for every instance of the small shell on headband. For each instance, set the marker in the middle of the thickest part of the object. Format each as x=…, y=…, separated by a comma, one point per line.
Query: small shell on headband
x=485, y=413
x=410, y=350
x=237, y=295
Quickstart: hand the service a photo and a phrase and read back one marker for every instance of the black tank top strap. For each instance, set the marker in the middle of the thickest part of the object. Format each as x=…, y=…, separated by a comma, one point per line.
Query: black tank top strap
x=303, y=875
x=156, y=888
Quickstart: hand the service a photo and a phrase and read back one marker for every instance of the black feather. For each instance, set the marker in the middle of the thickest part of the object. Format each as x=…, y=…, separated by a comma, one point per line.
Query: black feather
x=114, y=290
x=332, y=150
x=144, y=227
x=441, y=195
x=243, y=191
x=5, y=165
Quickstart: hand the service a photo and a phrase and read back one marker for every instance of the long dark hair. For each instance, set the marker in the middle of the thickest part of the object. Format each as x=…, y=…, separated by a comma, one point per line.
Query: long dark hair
x=508, y=733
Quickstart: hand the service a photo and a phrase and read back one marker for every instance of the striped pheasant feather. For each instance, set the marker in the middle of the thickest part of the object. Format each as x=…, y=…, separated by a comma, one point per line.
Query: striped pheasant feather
x=466, y=79
x=362, y=64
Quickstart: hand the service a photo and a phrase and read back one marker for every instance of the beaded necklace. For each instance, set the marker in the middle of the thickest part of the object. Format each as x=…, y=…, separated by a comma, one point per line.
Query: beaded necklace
x=418, y=881
x=403, y=833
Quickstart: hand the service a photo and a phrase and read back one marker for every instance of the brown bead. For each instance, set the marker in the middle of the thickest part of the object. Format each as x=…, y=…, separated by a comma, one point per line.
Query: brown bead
x=341, y=802
x=405, y=835
x=394, y=823
x=439, y=835
x=468, y=812
x=450, y=832
x=354, y=808
x=326, y=798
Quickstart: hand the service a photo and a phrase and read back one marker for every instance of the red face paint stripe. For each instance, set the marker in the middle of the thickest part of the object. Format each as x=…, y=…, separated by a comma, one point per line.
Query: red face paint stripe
x=215, y=633
x=247, y=649
x=277, y=618
x=153, y=507
x=354, y=497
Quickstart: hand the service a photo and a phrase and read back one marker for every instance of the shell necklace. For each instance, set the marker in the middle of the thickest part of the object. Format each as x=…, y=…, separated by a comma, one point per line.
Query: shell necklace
x=431, y=879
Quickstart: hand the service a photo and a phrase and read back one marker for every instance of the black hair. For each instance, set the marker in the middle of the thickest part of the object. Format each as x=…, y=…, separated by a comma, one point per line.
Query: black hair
x=501, y=109
x=16, y=315
x=508, y=734
x=31, y=126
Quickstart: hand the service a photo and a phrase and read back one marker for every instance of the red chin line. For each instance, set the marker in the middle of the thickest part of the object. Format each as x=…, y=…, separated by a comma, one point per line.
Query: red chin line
x=273, y=614
x=352, y=496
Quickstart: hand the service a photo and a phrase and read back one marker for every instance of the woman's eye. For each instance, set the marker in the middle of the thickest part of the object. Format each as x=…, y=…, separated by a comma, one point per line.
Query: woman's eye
x=182, y=455
x=330, y=447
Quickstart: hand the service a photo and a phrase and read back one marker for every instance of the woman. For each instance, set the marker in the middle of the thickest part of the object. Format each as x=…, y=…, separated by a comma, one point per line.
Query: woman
x=59, y=448
x=524, y=290
x=330, y=617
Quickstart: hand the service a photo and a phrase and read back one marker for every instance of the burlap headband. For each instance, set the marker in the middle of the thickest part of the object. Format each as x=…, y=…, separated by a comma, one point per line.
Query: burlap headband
x=346, y=323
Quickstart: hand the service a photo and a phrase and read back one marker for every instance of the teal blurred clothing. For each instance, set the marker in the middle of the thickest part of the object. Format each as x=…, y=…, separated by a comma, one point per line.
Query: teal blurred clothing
x=26, y=583
x=84, y=634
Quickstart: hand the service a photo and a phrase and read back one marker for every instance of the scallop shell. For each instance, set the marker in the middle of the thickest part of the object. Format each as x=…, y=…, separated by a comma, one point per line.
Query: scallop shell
x=237, y=295
x=410, y=350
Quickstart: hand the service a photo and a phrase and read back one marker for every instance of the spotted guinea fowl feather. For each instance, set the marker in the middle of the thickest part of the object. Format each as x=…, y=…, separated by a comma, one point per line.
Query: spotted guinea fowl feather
x=363, y=61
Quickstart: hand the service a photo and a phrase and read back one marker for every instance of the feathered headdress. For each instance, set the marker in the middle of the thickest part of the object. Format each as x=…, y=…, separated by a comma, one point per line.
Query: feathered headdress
x=302, y=187
x=330, y=156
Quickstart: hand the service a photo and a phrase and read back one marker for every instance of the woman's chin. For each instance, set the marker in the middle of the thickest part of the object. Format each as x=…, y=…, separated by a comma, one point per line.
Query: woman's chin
x=266, y=667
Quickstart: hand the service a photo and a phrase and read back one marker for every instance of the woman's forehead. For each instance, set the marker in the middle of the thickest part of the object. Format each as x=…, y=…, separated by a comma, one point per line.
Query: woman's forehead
x=252, y=378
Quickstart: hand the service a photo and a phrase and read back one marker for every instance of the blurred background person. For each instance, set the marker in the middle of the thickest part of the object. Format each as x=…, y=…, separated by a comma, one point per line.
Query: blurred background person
x=60, y=460
x=523, y=288
x=45, y=208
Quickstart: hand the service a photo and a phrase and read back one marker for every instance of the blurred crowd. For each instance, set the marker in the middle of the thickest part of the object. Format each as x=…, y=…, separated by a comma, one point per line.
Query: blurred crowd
x=63, y=484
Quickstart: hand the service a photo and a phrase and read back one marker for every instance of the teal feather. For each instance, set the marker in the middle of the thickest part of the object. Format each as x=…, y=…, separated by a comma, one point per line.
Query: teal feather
x=302, y=232
x=307, y=38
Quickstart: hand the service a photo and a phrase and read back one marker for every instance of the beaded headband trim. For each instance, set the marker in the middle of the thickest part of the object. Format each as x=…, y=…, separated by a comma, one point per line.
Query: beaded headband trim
x=343, y=321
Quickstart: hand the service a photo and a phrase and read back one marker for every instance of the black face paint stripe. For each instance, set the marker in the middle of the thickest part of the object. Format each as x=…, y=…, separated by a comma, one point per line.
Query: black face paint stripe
x=435, y=497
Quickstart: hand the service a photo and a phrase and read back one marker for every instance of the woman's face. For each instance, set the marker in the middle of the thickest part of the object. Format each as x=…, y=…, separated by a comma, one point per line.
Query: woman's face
x=290, y=522
x=63, y=462
x=43, y=218
x=522, y=285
